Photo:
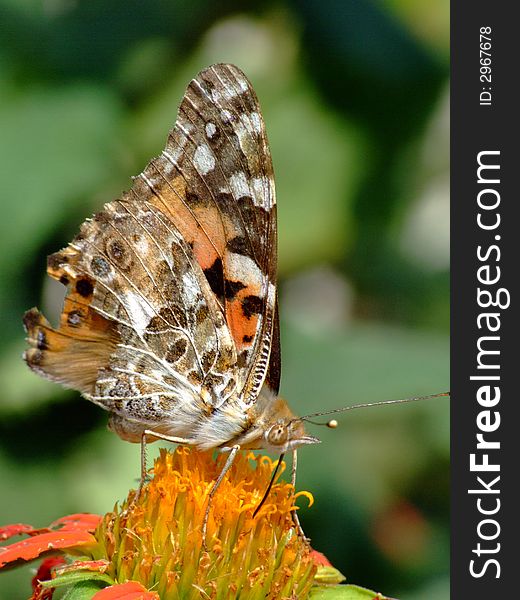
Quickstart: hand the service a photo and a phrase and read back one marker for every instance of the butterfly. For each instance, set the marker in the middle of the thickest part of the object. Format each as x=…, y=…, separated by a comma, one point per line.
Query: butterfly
x=170, y=319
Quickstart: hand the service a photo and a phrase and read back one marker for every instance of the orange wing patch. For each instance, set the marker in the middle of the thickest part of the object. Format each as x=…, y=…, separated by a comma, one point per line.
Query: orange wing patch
x=201, y=226
x=82, y=334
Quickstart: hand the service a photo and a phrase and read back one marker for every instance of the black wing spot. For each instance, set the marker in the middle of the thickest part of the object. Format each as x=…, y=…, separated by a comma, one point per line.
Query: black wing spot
x=84, y=288
x=223, y=198
x=232, y=288
x=215, y=277
x=251, y=305
x=240, y=245
x=250, y=210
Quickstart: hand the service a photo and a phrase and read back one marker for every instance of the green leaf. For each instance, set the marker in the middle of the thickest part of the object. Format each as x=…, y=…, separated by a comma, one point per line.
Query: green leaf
x=83, y=590
x=344, y=592
x=75, y=577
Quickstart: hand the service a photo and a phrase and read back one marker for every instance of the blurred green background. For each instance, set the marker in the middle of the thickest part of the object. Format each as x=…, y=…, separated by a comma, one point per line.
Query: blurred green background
x=355, y=98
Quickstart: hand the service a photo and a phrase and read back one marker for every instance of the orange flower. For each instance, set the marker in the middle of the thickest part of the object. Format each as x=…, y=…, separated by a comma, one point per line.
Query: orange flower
x=158, y=541
x=152, y=548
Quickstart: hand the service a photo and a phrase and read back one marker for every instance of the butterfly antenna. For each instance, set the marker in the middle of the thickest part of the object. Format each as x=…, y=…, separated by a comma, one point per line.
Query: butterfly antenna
x=333, y=423
x=273, y=477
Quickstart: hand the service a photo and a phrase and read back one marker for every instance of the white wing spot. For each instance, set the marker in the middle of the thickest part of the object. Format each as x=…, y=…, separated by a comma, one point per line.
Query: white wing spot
x=239, y=185
x=210, y=130
x=190, y=289
x=261, y=192
x=226, y=116
x=257, y=122
x=142, y=246
x=139, y=311
x=243, y=268
x=203, y=159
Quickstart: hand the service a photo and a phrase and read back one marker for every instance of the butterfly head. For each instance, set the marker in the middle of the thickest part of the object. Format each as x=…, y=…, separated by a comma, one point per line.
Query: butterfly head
x=286, y=434
x=273, y=426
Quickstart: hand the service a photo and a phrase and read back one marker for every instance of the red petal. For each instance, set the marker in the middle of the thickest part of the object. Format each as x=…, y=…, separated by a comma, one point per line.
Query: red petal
x=44, y=572
x=320, y=559
x=85, y=521
x=17, y=529
x=131, y=590
x=34, y=546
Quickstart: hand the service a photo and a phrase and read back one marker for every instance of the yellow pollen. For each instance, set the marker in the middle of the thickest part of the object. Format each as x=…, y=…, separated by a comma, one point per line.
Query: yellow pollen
x=158, y=541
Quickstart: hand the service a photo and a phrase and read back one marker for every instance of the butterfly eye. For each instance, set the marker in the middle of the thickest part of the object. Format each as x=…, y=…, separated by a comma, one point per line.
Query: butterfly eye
x=277, y=434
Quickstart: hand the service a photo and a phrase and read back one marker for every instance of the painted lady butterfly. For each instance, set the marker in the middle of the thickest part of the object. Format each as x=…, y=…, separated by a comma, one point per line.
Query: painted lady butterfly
x=170, y=321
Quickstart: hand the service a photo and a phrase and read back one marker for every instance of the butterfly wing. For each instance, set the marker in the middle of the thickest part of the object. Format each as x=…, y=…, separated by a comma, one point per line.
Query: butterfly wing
x=219, y=155
x=171, y=301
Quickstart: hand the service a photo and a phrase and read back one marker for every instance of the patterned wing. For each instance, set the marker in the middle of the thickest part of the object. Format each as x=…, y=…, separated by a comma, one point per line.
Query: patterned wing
x=171, y=289
x=215, y=181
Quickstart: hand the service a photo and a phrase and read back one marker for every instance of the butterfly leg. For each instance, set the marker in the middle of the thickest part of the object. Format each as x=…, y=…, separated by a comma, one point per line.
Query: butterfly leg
x=294, y=513
x=227, y=466
x=144, y=474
